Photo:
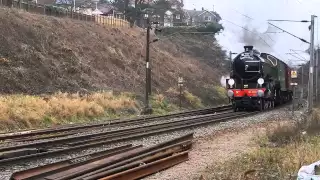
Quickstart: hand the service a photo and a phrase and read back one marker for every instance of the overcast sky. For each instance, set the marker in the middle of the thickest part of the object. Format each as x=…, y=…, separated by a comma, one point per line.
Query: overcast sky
x=260, y=11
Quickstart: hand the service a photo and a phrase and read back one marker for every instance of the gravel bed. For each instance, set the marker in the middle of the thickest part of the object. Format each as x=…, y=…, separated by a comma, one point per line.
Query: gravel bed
x=6, y=171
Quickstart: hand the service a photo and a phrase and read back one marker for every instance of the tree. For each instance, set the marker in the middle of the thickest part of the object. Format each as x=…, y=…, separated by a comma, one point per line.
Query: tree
x=210, y=27
x=160, y=7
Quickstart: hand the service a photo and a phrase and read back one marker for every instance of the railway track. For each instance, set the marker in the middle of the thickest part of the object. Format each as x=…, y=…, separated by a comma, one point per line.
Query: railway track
x=51, y=148
x=126, y=162
x=29, y=151
x=71, y=130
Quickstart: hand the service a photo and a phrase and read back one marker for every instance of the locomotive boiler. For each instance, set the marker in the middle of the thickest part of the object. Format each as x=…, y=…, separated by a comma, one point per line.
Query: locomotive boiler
x=258, y=81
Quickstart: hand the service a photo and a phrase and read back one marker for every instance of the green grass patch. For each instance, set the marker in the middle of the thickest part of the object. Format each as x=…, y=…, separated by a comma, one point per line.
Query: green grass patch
x=161, y=105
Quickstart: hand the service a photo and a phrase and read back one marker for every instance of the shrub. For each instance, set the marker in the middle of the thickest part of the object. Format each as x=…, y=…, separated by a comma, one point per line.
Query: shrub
x=161, y=105
x=193, y=100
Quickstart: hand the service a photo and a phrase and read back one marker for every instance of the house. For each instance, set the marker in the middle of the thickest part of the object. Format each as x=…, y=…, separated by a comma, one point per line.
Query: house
x=174, y=18
x=197, y=18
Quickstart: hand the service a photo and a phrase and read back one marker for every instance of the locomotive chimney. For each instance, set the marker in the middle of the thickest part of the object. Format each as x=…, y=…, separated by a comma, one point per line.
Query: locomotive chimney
x=248, y=48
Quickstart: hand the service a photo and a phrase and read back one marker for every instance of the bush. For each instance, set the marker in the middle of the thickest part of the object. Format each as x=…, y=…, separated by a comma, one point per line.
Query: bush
x=211, y=28
x=193, y=100
x=284, y=134
x=161, y=105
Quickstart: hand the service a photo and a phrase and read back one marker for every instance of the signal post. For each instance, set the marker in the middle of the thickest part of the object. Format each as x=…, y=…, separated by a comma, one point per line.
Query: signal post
x=294, y=83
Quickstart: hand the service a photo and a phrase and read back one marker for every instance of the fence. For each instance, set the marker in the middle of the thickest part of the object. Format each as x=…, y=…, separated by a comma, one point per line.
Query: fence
x=56, y=11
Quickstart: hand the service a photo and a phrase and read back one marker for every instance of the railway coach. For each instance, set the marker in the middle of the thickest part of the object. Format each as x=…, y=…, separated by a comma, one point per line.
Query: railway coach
x=258, y=81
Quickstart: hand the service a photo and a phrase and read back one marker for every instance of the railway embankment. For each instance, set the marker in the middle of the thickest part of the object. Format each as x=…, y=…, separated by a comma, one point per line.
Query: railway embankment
x=264, y=146
x=218, y=135
x=41, y=56
x=279, y=149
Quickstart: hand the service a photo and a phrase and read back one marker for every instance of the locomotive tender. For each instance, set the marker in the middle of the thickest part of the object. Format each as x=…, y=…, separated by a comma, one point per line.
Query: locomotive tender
x=258, y=81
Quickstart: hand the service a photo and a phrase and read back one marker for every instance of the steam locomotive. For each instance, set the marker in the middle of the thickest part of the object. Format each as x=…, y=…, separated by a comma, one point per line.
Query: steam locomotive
x=258, y=81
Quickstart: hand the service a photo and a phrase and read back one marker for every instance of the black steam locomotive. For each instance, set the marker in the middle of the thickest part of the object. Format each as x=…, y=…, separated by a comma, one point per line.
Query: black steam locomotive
x=258, y=81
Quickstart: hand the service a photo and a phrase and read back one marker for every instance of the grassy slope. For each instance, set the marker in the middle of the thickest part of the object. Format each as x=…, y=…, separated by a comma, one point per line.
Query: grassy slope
x=41, y=54
x=45, y=55
x=283, y=150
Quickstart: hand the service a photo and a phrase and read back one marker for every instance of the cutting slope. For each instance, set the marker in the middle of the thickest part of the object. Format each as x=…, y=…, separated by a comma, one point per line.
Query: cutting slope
x=41, y=54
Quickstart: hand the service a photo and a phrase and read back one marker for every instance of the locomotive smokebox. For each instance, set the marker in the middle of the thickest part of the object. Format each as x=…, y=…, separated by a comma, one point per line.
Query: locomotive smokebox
x=248, y=48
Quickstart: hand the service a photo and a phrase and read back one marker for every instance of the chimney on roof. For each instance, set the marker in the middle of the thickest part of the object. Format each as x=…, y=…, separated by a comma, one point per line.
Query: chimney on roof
x=202, y=9
x=213, y=8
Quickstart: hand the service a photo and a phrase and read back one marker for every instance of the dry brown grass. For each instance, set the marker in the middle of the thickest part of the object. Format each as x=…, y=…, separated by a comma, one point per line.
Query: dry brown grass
x=284, y=148
x=41, y=54
x=24, y=111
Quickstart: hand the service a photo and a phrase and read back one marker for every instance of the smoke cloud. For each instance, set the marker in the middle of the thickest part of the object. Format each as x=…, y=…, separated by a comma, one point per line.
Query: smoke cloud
x=262, y=40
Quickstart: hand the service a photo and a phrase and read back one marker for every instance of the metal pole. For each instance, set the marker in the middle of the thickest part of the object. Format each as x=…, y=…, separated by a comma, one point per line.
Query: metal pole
x=310, y=88
x=230, y=56
x=180, y=96
x=316, y=70
x=293, y=99
x=148, y=55
x=302, y=85
x=148, y=109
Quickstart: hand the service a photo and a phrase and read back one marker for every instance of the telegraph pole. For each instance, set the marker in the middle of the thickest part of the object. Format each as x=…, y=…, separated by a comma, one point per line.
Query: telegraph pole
x=311, y=68
x=230, y=58
x=148, y=109
x=317, y=70
x=302, y=82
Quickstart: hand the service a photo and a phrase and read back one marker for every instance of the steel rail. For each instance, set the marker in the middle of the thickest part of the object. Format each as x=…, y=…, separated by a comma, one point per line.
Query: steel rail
x=206, y=119
x=120, y=139
x=83, y=137
x=150, y=168
x=147, y=154
x=114, y=162
x=114, y=122
x=61, y=165
x=119, y=133
x=124, y=124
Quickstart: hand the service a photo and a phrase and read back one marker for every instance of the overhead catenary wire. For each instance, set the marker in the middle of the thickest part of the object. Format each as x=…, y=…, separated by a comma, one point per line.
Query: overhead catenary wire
x=298, y=54
x=303, y=40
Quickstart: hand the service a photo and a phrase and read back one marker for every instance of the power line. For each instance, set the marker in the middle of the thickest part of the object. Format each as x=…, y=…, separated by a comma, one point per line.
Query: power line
x=296, y=57
x=305, y=21
x=303, y=40
x=298, y=54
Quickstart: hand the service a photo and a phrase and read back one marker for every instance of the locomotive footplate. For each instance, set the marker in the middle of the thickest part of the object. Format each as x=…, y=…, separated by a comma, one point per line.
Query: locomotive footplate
x=246, y=102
